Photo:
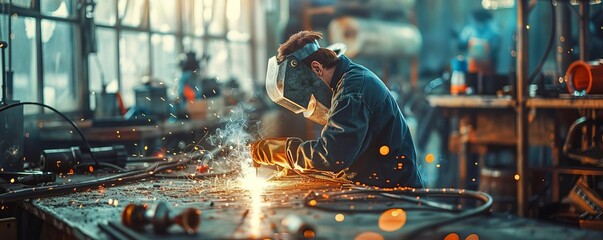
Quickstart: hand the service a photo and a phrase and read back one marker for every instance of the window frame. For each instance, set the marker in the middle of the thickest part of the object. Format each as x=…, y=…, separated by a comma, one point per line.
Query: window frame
x=81, y=73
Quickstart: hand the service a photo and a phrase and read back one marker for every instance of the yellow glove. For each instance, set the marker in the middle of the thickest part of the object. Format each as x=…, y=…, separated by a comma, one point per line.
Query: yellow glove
x=270, y=151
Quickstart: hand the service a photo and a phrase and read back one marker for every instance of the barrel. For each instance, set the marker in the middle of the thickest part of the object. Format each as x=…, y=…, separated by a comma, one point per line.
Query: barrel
x=502, y=186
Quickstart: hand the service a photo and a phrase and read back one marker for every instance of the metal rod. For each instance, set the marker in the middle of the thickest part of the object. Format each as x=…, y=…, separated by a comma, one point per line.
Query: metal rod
x=4, y=98
x=564, y=36
x=521, y=117
x=583, y=30
x=9, y=35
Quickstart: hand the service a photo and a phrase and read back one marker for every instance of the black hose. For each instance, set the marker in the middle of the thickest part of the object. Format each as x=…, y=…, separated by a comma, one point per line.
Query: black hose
x=548, y=48
x=63, y=116
x=122, y=178
x=415, y=232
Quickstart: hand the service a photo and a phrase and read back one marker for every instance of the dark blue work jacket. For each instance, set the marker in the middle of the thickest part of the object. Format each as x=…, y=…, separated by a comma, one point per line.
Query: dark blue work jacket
x=366, y=136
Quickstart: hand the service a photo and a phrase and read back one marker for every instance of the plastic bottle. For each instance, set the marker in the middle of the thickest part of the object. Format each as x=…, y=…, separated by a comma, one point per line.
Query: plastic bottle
x=458, y=84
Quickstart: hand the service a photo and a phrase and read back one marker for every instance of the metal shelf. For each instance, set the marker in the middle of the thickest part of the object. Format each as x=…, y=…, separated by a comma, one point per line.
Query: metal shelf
x=469, y=101
x=590, y=171
x=565, y=103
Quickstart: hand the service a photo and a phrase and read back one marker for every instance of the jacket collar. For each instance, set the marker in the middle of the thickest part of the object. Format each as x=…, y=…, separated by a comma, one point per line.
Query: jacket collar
x=340, y=68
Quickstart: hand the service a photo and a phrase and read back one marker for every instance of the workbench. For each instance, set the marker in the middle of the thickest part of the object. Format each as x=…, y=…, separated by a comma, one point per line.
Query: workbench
x=231, y=209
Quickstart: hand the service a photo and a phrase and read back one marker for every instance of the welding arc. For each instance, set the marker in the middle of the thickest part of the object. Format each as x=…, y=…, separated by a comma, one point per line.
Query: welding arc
x=122, y=178
x=413, y=233
x=63, y=116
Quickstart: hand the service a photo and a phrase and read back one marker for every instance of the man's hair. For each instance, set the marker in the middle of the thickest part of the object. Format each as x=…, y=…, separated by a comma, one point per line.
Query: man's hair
x=326, y=57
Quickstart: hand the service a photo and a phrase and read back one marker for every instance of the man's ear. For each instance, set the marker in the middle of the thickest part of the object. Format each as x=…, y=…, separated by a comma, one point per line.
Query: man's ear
x=316, y=68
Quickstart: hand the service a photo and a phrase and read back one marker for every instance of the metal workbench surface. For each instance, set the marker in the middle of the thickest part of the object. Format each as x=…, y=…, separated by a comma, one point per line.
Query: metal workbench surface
x=235, y=208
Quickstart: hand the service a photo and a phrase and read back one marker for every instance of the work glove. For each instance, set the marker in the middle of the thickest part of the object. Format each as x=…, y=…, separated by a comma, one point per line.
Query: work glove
x=270, y=151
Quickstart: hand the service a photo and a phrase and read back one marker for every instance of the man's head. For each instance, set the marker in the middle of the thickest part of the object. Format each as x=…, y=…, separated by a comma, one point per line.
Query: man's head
x=322, y=62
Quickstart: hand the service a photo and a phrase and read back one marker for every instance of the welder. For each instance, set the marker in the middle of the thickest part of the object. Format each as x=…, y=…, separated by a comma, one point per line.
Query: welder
x=365, y=138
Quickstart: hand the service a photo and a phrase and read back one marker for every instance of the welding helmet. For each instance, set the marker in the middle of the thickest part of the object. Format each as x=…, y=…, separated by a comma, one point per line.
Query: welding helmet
x=293, y=85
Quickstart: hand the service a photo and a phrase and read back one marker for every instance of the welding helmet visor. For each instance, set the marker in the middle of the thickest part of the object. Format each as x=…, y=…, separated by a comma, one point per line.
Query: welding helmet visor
x=294, y=86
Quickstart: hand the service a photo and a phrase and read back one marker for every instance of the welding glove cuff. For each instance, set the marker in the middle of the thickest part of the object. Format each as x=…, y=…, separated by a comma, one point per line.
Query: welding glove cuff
x=270, y=151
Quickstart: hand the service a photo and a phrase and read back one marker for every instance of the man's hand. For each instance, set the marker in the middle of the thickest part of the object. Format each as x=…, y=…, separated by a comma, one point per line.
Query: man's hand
x=270, y=151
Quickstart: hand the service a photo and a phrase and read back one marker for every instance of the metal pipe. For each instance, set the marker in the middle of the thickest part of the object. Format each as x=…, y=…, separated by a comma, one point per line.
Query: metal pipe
x=3, y=45
x=9, y=33
x=583, y=30
x=564, y=36
x=9, y=72
x=521, y=117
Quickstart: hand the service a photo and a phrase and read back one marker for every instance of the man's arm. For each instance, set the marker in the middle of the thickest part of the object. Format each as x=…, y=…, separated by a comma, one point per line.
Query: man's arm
x=340, y=142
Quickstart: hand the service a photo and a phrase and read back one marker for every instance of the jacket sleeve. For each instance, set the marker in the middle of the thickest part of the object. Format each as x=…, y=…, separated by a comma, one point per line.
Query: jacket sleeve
x=340, y=142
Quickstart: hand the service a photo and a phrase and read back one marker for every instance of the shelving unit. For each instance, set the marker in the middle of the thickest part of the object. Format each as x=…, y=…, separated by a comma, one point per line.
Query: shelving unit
x=521, y=106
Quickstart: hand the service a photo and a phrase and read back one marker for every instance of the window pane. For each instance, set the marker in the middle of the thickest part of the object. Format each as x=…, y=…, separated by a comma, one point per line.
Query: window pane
x=238, y=15
x=192, y=17
x=192, y=44
x=165, y=58
x=133, y=62
x=241, y=58
x=104, y=12
x=132, y=13
x=57, y=51
x=163, y=16
x=24, y=56
x=103, y=69
x=214, y=11
x=20, y=3
x=217, y=66
x=57, y=8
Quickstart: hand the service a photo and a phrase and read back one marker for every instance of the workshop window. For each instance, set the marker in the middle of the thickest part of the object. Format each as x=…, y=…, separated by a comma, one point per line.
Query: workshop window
x=135, y=39
x=214, y=12
x=218, y=65
x=165, y=59
x=21, y=3
x=239, y=24
x=164, y=16
x=132, y=13
x=24, y=60
x=57, y=8
x=240, y=66
x=193, y=44
x=133, y=62
x=192, y=17
x=58, y=54
x=103, y=63
x=104, y=12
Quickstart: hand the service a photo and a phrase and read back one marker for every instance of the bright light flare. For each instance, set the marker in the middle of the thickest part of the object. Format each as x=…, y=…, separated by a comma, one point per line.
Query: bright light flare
x=256, y=186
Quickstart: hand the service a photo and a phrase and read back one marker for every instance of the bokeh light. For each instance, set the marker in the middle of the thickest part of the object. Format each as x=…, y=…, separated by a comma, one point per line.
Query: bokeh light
x=392, y=220
x=472, y=236
x=339, y=217
x=369, y=236
x=452, y=236
x=429, y=158
x=384, y=150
